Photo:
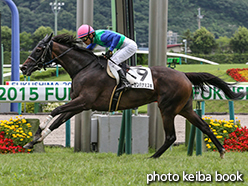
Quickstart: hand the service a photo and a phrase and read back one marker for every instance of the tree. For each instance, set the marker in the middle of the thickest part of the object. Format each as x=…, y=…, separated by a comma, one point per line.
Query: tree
x=25, y=41
x=39, y=34
x=188, y=36
x=6, y=38
x=203, y=41
x=64, y=31
x=239, y=41
x=223, y=44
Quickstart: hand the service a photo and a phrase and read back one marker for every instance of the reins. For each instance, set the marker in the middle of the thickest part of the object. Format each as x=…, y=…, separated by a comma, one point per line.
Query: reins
x=57, y=57
x=68, y=50
x=83, y=67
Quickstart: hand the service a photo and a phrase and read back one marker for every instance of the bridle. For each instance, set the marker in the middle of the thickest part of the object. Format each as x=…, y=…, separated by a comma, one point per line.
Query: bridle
x=47, y=55
x=41, y=61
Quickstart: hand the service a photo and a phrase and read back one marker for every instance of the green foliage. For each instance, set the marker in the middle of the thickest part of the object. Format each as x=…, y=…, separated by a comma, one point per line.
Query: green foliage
x=40, y=33
x=239, y=41
x=203, y=41
x=50, y=106
x=23, y=57
x=40, y=75
x=25, y=41
x=188, y=36
x=223, y=44
x=28, y=107
x=6, y=38
x=102, y=14
x=142, y=59
x=64, y=31
x=222, y=18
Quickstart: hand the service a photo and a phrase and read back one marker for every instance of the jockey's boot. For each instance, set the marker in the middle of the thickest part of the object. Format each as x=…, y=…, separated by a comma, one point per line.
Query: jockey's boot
x=124, y=82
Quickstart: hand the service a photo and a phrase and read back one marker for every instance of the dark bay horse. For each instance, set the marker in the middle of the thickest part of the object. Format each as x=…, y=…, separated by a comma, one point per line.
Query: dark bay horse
x=92, y=88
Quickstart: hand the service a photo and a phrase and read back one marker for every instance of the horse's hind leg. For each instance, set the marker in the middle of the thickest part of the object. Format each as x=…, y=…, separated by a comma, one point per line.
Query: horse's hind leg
x=196, y=120
x=170, y=135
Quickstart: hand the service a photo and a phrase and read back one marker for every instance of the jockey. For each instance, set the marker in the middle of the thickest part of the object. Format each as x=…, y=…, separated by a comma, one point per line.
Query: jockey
x=125, y=48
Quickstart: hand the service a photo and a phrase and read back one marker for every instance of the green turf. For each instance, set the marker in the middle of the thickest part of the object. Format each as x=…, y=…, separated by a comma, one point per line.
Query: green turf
x=207, y=67
x=60, y=166
x=217, y=70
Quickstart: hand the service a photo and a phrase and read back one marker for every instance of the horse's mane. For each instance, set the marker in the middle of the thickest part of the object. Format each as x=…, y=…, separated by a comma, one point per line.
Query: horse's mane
x=70, y=41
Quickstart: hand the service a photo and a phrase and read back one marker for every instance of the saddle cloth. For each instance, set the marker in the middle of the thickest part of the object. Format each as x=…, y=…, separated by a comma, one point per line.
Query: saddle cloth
x=138, y=76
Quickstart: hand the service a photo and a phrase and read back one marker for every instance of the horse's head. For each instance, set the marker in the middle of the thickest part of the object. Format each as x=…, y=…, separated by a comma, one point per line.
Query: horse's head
x=40, y=54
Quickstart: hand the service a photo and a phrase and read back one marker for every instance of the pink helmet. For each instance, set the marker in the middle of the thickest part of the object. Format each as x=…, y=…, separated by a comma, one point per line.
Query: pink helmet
x=85, y=30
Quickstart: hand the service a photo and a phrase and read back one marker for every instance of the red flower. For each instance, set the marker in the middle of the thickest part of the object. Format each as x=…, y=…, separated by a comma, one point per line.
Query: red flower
x=7, y=145
x=237, y=75
x=237, y=141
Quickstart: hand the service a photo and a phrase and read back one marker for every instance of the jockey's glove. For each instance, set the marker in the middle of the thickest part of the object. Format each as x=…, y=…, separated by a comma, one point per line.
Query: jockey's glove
x=108, y=54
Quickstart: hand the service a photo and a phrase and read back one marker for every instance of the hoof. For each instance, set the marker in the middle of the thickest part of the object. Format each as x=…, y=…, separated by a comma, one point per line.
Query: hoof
x=222, y=153
x=29, y=145
x=153, y=157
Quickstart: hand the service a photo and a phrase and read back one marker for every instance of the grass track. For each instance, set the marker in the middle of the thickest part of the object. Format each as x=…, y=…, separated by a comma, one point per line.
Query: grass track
x=60, y=166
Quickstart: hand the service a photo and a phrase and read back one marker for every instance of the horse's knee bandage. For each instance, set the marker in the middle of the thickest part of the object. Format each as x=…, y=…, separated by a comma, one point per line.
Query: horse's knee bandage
x=44, y=124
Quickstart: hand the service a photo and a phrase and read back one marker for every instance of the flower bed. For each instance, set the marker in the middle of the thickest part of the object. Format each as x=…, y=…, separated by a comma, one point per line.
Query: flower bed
x=237, y=140
x=240, y=75
x=221, y=129
x=14, y=134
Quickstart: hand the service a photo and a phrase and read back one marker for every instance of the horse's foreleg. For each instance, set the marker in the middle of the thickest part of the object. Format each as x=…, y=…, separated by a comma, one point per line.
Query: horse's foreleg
x=170, y=135
x=39, y=133
x=61, y=119
x=76, y=105
x=45, y=123
x=42, y=126
x=72, y=106
x=42, y=134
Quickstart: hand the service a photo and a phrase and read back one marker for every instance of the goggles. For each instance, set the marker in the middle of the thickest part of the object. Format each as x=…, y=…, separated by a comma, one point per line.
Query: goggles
x=85, y=38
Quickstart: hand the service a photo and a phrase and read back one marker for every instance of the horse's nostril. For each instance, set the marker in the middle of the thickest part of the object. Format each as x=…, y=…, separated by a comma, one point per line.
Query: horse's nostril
x=23, y=69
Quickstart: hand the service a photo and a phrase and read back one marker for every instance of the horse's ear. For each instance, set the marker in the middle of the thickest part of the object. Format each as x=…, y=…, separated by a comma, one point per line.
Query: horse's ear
x=48, y=38
x=45, y=38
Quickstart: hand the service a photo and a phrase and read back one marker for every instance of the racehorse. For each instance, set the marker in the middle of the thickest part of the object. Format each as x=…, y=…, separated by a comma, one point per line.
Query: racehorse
x=92, y=87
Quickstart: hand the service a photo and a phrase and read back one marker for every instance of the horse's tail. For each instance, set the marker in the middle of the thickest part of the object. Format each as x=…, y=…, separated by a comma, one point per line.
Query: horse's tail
x=201, y=79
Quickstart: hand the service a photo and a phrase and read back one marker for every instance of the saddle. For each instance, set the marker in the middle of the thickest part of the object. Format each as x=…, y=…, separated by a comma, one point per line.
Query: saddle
x=138, y=76
x=124, y=66
x=116, y=96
